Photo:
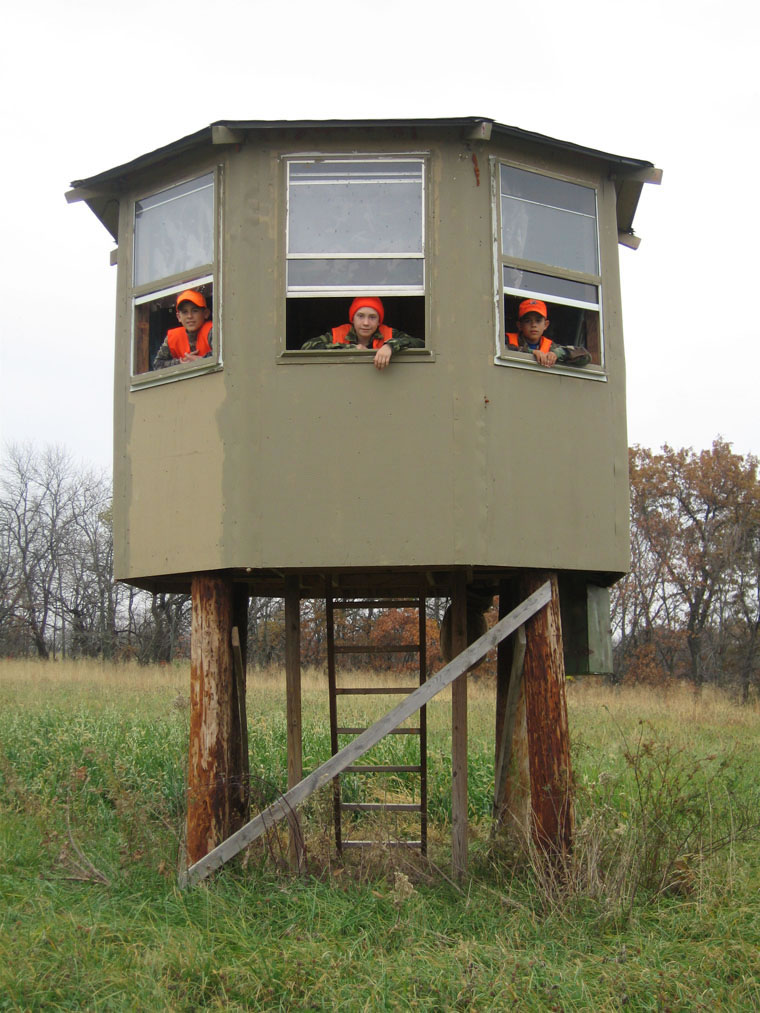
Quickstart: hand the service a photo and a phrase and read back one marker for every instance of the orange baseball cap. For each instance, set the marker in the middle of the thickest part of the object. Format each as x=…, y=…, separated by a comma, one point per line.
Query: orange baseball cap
x=532, y=306
x=191, y=296
x=366, y=300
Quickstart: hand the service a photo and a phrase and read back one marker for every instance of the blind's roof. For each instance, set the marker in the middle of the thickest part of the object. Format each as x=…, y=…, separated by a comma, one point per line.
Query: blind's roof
x=100, y=190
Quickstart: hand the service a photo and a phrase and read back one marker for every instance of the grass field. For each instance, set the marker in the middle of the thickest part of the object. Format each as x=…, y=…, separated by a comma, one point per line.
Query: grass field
x=658, y=908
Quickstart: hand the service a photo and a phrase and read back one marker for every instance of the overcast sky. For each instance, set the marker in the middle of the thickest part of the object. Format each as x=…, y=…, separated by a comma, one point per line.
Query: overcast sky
x=89, y=84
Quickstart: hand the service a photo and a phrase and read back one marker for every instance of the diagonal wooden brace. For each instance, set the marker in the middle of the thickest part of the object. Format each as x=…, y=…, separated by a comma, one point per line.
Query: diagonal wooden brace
x=285, y=805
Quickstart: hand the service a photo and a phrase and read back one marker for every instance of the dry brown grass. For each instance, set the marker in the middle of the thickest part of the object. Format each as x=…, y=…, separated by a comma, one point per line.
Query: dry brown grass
x=677, y=703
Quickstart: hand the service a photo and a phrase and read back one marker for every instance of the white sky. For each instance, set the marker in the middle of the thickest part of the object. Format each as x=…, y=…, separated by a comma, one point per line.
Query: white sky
x=89, y=84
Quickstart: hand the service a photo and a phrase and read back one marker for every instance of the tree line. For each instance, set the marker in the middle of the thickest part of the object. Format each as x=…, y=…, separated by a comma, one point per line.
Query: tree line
x=688, y=609
x=690, y=606
x=58, y=597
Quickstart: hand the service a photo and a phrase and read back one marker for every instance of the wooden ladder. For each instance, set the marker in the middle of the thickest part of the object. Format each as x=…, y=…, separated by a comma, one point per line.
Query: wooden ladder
x=336, y=729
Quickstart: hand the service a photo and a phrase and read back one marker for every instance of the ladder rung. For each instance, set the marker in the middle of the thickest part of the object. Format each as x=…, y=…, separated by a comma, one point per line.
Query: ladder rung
x=385, y=603
x=385, y=768
x=374, y=649
x=357, y=691
x=393, y=731
x=381, y=844
x=372, y=807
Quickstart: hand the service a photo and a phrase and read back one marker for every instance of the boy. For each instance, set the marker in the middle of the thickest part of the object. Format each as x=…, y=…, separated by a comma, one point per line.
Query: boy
x=365, y=330
x=192, y=341
x=532, y=322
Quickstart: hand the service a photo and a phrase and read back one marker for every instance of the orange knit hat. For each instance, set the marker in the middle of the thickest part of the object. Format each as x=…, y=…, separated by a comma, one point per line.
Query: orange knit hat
x=366, y=300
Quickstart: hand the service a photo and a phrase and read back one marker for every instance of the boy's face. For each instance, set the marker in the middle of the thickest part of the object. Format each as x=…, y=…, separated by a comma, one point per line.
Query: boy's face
x=366, y=321
x=532, y=327
x=192, y=317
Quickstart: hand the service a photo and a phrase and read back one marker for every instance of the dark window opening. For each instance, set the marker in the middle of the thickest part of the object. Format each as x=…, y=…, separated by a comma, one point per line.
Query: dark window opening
x=568, y=325
x=309, y=318
x=152, y=321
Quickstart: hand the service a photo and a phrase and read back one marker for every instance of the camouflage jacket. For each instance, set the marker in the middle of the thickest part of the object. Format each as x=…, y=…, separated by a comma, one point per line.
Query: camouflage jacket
x=567, y=355
x=398, y=342
x=164, y=355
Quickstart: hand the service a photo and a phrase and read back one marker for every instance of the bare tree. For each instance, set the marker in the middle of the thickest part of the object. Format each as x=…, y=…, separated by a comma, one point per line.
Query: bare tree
x=36, y=516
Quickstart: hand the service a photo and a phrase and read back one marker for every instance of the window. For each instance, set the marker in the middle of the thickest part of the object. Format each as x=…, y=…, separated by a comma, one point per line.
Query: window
x=354, y=227
x=549, y=250
x=174, y=249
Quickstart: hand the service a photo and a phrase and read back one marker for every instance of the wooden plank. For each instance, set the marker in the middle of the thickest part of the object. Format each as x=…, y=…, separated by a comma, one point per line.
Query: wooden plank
x=374, y=649
x=507, y=601
x=237, y=658
x=240, y=717
x=386, y=844
x=381, y=691
x=459, y=730
x=373, y=807
x=508, y=729
x=363, y=743
x=378, y=603
x=393, y=731
x=333, y=704
x=384, y=768
x=293, y=709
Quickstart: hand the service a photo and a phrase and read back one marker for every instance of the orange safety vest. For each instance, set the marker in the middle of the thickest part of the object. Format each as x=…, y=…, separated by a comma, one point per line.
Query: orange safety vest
x=340, y=335
x=179, y=344
x=544, y=345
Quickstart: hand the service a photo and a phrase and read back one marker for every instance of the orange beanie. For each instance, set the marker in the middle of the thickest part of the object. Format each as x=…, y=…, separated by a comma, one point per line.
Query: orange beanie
x=366, y=300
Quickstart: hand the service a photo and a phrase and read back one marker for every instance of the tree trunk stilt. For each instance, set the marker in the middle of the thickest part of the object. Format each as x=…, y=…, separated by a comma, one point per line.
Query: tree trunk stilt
x=546, y=720
x=215, y=770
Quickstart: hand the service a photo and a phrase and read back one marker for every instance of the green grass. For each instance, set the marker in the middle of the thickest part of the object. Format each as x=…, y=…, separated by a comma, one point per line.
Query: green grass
x=658, y=909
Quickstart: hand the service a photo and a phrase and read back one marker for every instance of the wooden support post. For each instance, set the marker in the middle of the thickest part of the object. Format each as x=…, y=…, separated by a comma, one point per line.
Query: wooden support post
x=512, y=780
x=546, y=720
x=357, y=748
x=293, y=706
x=504, y=654
x=459, y=729
x=242, y=810
x=215, y=761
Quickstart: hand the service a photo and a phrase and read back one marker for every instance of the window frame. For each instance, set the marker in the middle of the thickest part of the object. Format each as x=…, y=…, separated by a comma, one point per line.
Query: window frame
x=159, y=288
x=503, y=355
x=331, y=291
x=347, y=292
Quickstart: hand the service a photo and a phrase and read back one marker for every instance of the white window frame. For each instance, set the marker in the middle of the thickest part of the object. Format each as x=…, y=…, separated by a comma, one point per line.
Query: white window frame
x=328, y=291
x=160, y=288
x=503, y=355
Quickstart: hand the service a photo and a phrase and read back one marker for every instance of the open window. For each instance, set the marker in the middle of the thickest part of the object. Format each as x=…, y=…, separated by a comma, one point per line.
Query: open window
x=549, y=250
x=355, y=226
x=175, y=243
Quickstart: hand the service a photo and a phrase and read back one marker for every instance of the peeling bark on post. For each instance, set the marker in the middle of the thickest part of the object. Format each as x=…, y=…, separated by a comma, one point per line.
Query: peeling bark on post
x=214, y=770
x=459, y=730
x=546, y=719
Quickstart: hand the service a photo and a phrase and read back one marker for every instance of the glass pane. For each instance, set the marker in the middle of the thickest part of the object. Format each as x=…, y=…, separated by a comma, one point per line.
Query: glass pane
x=174, y=230
x=355, y=207
x=532, y=186
x=355, y=273
x=542, y=284
x=549, y=235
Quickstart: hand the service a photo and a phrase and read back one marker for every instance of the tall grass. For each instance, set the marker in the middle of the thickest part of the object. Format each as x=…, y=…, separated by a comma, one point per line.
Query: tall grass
x=656, y=907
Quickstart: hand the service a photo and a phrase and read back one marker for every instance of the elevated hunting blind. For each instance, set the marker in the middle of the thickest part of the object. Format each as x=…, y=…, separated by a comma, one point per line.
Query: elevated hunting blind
x=272, y=471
